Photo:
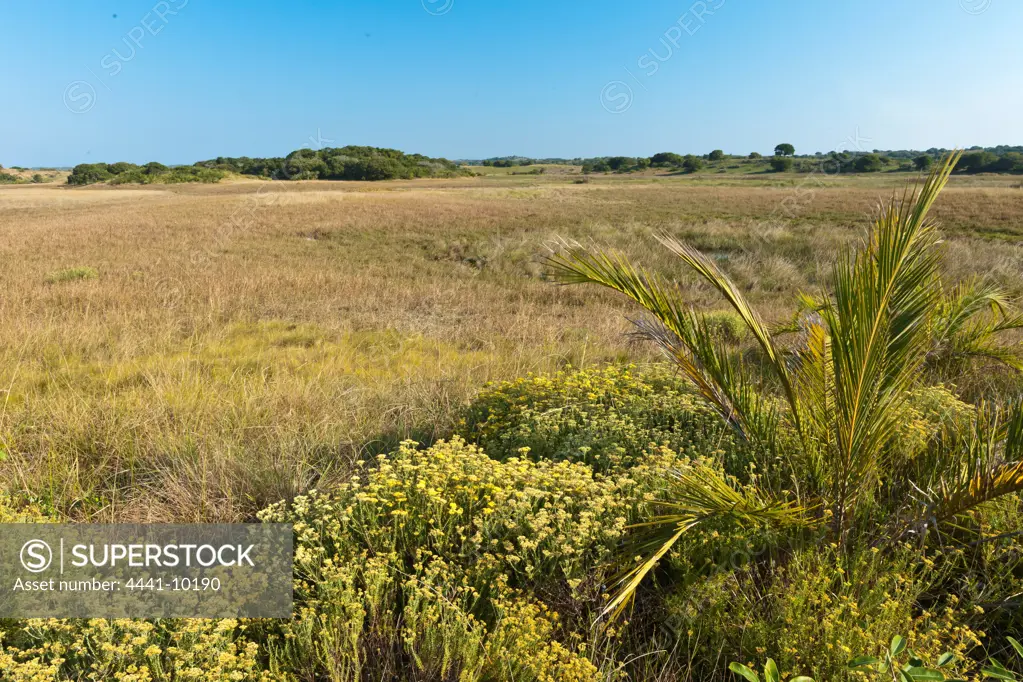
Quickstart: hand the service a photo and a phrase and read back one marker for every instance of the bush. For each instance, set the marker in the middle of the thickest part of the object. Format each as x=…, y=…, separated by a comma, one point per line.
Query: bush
x=606, y=418
x=121, y=167
x=440, y=556
x=691, y=164
x=784, y=149
x=755, y=155
x=781, y=164
x=868, y=163
x=619, y=163
x=89, y=173
x=818, y=611
x=716, y=155
x=666, y=159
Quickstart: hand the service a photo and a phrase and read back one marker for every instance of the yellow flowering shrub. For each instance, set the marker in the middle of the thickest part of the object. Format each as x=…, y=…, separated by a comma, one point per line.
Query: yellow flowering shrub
x=24, y=512
x=607, y=418
x=523, y=647
x=131, y=651
x=819, y=610
x=436, y=556
x=530, y=521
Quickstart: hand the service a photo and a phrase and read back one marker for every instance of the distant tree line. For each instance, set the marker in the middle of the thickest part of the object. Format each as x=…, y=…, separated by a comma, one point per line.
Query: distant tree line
x=1002, y=159
x=508, y=162
x=341, y=163
x=153, y=172
x=374, y=163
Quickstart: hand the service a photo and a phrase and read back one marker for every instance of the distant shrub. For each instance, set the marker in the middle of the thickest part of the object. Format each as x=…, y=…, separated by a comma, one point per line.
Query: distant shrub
x=781, y=164
x=923, y=162
x=89, y=173
x=868, y=163
x=716, y=155
x=71, y=275
x=8, y=179
x=755, y=155
x=666, y=159
x=37, y=178
x=170, y=176
x=784, y=149
x=984, y=161
x=345, y=163
x=618, y=163
x=121, y=167
x=691, y=164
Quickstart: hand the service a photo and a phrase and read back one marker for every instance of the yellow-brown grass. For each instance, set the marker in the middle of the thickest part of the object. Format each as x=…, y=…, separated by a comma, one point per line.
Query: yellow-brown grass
x=245, y=341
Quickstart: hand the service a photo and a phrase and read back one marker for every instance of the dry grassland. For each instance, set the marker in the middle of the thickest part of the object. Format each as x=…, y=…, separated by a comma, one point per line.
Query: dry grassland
x=195, y=352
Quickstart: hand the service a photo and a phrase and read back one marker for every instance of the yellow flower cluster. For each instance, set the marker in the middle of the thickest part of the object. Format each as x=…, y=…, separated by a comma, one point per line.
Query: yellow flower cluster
x=608, y=418
x=131, y=651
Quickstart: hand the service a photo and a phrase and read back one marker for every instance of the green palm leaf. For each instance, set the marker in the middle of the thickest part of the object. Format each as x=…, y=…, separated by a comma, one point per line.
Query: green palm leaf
x=694, y=498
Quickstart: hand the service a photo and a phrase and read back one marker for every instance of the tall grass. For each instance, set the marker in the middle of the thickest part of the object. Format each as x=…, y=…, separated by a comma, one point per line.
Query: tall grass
x=245, y=341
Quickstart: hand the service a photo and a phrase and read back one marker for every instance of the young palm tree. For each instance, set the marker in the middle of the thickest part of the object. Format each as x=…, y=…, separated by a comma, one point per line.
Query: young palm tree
x=821, y=420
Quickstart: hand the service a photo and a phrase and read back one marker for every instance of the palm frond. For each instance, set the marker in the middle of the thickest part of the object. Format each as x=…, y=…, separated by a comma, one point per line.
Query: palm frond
x=973, y=468
x=994, y=466
x=713, y=275
x=970, y=319
x=684, y=336
x=696, y=498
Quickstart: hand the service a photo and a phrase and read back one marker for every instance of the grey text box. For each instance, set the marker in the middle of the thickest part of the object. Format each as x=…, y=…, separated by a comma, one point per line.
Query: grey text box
x=145, y=570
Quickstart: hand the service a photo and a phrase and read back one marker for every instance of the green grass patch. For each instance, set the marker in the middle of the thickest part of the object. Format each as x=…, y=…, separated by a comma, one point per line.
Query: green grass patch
x=72, y=275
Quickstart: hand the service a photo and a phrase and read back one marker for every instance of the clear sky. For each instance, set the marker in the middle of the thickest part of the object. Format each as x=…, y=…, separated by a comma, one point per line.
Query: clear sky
x=184, y=80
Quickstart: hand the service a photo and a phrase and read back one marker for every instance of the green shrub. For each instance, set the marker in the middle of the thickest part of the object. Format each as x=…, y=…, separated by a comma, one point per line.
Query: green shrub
x=691, y=164
x=868, y=163
x=781, y=164
x=121, y=167
x=89, y=173
x=818, y=611
x=169, y=176
x=343, y=163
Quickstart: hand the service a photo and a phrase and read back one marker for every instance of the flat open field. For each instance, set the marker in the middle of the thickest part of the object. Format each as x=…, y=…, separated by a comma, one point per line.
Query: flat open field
x=196, y=352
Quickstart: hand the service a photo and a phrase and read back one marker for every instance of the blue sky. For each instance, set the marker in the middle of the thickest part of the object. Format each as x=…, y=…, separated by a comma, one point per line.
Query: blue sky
x=109, y=80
